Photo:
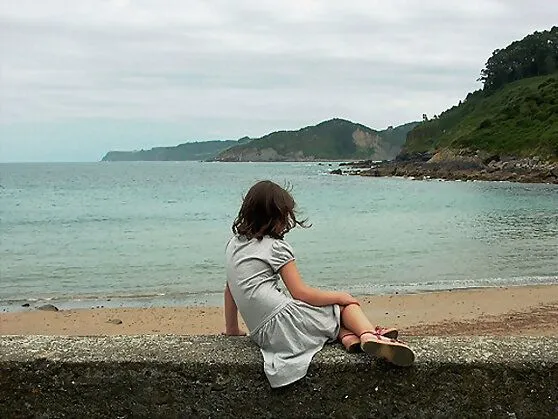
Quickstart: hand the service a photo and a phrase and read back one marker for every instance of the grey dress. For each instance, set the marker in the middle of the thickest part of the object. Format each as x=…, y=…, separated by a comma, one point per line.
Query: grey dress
x=289, y=332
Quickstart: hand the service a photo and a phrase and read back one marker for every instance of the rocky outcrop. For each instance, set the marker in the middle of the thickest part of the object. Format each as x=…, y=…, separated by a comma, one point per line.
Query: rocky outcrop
x=460, y=165
x=46, y=307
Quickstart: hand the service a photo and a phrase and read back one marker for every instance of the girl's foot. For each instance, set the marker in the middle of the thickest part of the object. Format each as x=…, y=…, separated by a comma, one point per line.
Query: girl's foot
x=388, y=332
x=389, y=349
x=351, y=342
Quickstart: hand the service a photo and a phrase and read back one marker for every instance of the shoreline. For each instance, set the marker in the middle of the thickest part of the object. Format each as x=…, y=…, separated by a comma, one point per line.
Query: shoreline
x=528, y=310
x=206, y=299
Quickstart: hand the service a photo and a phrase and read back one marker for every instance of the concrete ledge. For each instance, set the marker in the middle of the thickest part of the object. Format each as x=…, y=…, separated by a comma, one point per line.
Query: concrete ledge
x=175, y=376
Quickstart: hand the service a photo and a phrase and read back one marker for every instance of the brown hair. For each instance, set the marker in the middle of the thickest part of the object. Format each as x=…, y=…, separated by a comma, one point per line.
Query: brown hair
x=267, y=209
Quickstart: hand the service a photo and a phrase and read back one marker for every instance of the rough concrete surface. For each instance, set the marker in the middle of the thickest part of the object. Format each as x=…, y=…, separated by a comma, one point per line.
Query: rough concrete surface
x=216, y=376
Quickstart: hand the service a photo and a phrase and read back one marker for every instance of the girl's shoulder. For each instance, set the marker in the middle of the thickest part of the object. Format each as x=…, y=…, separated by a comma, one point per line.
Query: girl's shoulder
x=280, y=253
x=267, y=243
x=276, y=245
x=280, y=244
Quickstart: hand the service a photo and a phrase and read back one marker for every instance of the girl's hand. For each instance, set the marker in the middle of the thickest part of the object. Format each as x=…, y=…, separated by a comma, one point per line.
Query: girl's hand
x=234, y=332
x=345, y=299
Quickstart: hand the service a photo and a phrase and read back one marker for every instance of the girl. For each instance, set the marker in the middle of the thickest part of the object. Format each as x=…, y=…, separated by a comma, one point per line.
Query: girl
x=290, y=329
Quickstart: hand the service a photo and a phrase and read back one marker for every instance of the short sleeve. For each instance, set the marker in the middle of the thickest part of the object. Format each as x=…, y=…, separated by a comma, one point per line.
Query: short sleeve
x=281, y=254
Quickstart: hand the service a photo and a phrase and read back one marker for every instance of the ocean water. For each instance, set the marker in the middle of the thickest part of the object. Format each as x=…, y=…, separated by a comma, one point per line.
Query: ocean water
x=154, y=233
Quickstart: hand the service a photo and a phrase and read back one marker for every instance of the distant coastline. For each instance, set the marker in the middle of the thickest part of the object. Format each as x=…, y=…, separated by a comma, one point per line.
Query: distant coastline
x=332, y=140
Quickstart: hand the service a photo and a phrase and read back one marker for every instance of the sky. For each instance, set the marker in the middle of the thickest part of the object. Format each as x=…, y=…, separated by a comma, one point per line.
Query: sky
x=79, y=78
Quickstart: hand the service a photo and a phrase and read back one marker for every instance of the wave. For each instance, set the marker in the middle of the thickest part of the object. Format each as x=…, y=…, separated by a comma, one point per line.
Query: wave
x=430, y=286
x=358, y=289
x=108, y=297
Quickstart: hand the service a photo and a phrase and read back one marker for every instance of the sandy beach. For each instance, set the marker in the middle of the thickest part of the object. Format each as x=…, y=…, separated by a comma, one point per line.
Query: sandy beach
x=526, y=311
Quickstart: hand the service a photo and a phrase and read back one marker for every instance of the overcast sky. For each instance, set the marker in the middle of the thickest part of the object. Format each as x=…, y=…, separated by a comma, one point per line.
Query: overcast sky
x=79, y=78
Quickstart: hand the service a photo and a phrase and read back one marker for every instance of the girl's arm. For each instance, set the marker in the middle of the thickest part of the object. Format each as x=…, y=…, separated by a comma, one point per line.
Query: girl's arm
x=313, y=296
x=231, y=315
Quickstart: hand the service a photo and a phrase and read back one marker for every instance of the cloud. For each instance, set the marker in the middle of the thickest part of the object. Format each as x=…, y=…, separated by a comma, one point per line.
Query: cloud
x=222, y=69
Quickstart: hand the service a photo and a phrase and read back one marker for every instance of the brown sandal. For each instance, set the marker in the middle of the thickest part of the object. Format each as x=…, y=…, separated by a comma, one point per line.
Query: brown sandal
x=394, y=351
x=390, y=332
x=351, y=342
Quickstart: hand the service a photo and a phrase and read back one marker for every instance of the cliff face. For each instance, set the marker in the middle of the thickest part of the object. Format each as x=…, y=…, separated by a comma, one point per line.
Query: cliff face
x=336, y=139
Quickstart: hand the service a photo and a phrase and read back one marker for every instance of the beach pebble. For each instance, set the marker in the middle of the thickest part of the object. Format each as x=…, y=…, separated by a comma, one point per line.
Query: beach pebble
x=114, y=321
x=48, y=307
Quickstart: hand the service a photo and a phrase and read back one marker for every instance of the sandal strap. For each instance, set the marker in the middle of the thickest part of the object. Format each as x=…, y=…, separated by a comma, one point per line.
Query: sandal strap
x=378, y=331
x=346, y=335
x=382, y=330
x=381, y=338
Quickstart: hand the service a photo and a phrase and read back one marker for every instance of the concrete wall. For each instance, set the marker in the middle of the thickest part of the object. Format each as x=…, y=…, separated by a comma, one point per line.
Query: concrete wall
x=173, y=376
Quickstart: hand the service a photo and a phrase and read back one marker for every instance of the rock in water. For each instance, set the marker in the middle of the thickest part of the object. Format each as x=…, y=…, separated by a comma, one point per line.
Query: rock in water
x=47, y=307
x=25, y=305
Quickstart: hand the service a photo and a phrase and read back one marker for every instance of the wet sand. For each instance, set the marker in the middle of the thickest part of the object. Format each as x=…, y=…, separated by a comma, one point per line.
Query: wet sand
x=514, y=311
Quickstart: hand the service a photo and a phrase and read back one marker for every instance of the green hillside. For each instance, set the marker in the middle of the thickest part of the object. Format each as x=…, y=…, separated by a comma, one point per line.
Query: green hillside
x=519, y=119
x=202, y=150
x=329, y=140
x=516, y=112
x=335, y=139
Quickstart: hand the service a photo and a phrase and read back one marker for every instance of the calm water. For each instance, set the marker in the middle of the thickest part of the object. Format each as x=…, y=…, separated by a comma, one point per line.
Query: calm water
x=154, y=233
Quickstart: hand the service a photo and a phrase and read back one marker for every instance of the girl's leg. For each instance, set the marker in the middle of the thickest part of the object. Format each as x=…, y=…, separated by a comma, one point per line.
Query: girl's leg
x=354, y=319
x=350, y=341
x=354, y=323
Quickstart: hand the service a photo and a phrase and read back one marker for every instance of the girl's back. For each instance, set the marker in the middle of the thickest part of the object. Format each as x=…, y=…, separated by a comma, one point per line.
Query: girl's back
x=252, y=276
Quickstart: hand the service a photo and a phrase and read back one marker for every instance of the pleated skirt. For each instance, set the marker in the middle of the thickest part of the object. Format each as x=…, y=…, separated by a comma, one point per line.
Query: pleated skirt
x=290, y=339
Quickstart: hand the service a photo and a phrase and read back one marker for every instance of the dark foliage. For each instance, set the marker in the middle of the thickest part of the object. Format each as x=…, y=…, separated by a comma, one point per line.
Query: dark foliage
x=534, y=55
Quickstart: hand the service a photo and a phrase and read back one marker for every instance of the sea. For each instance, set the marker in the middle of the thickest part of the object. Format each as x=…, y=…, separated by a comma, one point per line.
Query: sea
x=145, y=234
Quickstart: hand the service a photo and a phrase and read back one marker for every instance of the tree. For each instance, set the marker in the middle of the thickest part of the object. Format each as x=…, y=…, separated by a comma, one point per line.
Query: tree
x=534, y=55
x=550, y=64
